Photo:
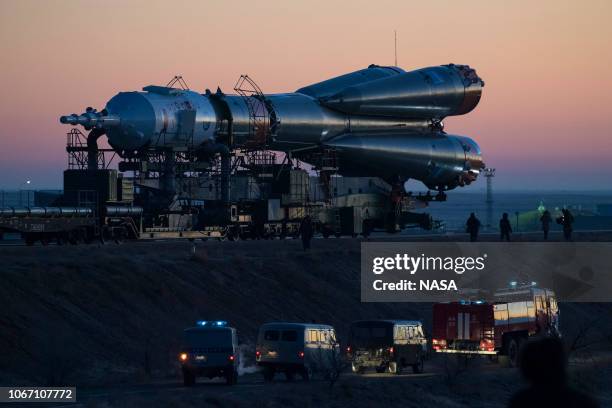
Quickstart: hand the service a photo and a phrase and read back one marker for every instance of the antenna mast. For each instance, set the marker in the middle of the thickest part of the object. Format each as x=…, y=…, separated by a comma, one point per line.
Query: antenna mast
x=395, y=33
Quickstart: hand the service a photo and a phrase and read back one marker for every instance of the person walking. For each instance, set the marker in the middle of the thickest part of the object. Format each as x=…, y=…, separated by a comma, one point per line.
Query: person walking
x=306, y=232
x=546, y=219
x=504, y=227
x=472, y=227
x=567, y=221
x=366, y=224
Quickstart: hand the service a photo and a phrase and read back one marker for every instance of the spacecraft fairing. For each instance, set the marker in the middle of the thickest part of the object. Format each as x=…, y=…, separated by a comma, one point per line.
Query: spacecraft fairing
x=380, y=121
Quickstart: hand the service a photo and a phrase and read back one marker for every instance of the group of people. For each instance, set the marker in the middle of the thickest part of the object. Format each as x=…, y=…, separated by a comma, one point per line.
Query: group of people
x=473, y=225
x=505, y=228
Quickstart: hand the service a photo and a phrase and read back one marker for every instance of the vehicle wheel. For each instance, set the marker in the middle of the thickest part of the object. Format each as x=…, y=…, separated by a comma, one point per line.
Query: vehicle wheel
x=79, y=236
x=188, y=378
x=394, y=368
x=418, y=367
x=513, y=352
x=268, y=374
x=290, y=375
x=380, y=369
x=29, y=239
x=120, y=234
x=357, y=369
x=88, y=235
x=307, y=373
x=231, y=378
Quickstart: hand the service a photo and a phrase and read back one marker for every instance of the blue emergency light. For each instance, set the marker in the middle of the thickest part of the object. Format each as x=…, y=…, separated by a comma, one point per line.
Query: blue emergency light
x=216, y=323
x=469, y=302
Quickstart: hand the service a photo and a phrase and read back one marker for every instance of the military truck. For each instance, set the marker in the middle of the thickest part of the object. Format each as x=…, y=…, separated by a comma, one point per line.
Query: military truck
x=387, y=345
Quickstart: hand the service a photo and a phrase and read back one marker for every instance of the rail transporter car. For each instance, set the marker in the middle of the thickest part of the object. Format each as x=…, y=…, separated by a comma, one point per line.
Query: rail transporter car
x=200, y=165
x=267, y=198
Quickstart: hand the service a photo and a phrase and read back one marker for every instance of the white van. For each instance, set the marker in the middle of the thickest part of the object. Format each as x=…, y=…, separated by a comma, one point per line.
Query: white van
x=297, y=348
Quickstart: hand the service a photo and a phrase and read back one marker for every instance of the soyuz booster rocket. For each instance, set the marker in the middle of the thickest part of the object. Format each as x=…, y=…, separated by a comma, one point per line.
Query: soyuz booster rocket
x=380, y=121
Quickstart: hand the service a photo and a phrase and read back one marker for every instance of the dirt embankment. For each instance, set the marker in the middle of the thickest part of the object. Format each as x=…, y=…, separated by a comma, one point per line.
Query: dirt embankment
x=109, y=314
x=114, y=313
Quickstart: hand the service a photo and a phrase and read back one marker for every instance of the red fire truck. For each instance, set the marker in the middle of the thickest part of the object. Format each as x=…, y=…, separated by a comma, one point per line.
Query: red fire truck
x=497, y=327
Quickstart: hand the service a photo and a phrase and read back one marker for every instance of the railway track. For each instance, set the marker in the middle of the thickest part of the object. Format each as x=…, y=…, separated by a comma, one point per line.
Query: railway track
x=532, y=236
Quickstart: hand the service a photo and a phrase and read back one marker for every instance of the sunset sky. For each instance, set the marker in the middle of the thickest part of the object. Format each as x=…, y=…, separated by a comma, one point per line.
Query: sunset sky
x=543, y=121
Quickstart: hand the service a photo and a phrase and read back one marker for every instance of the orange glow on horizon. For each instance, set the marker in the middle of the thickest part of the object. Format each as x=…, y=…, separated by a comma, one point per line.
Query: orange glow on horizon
x=544, y=112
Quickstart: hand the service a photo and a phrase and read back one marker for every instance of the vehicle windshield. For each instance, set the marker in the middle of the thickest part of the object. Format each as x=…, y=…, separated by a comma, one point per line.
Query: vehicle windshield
x=208, y=338
x=371, y=334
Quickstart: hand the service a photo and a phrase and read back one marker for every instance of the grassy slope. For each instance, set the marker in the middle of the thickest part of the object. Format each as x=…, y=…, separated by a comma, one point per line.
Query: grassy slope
x=110, y=314
x=121, y=309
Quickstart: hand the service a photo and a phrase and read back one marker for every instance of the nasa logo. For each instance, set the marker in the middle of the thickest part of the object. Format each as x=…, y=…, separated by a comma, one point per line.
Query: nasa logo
x=438, y=285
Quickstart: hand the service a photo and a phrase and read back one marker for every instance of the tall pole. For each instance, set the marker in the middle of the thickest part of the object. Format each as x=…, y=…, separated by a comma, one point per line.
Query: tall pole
x=27, y=182
x=489, y=173
x=395, y=34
